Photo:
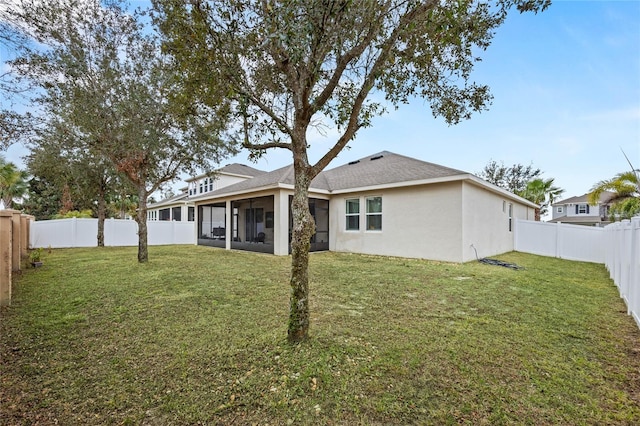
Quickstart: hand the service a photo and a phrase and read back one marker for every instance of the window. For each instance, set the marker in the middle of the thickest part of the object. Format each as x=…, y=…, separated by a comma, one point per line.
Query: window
x=374, y=213
x=208, y=184
x=176, y=213
x=559, y=210
x=582, y=209
x=353, y=214
x=165, y=214
x=510, y=217
x=191, y=214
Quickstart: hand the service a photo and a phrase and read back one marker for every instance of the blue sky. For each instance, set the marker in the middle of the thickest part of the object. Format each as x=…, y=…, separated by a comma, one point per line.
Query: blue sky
x=566, y=86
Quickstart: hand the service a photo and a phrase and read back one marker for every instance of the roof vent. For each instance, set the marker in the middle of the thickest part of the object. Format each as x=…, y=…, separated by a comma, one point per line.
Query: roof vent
x=377, y=157
x=354, y=162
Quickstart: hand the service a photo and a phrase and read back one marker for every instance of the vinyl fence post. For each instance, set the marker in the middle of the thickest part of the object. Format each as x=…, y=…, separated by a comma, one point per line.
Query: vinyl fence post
x=558, y=240
x=633, y=306
x=625, y=260
x=619, y=252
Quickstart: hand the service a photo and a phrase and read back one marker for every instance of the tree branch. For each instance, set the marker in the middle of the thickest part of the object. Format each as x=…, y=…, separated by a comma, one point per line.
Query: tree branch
x=240, y=88
x=341, y=66
x=248, y=145
x=282, y=125
x=367, y=85
x=267, y=145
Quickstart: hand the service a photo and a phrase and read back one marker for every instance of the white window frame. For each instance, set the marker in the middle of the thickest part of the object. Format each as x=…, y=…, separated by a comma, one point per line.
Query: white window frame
x=369, y=214
x=348, y=215
x=559, y=209
x=582, y=209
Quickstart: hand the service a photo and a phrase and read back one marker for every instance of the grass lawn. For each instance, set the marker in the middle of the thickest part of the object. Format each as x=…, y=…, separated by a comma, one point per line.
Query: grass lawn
x=198, y=336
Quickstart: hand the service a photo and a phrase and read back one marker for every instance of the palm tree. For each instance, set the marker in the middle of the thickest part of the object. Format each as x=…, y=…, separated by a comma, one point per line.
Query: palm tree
x=542, y=192
x=625, y=201
x=13, y=183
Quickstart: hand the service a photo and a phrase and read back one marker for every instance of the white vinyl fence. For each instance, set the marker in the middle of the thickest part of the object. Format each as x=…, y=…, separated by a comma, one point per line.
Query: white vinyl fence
x=622, y=244
x=83, y=233
x=616, y=245
x=571, y=242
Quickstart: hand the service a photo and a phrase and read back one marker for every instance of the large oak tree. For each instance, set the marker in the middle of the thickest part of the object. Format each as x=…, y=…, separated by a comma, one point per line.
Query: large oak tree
x=101, y=73
x=274, y=69
x=74, y=168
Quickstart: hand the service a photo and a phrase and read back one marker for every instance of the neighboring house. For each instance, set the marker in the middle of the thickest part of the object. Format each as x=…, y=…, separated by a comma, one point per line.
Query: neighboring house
x=385, y=204
x=181, y=208
x=577, y=211
x=176, y=208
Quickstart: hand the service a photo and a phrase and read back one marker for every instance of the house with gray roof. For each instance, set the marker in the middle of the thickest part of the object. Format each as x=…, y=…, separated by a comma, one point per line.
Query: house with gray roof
x=383, y=204
x=578, y=210
x=181, y=208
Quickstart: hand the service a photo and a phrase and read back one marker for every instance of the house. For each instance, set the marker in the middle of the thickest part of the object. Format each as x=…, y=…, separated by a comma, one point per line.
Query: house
x=578, y=211
x=176, y=208
x=181, y=208
x=384, y=204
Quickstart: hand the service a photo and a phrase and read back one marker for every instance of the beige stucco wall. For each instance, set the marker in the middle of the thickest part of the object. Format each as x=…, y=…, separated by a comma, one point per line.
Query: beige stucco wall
x=419, y=222
x=486, y=221
x=437, y=221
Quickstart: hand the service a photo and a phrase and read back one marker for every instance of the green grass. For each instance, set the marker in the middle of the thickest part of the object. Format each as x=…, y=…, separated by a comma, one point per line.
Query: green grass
x=198, y=336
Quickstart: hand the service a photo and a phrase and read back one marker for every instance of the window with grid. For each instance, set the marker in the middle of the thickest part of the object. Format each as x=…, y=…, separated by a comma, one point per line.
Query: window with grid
x=374, y=213
x=353, y=214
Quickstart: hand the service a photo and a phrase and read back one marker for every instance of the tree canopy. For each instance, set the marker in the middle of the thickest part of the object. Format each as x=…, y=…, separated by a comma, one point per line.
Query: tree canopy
x=625, y=201
x=274, y=70
x=513, y=178
x=13, y=183
x=542, y=192
x=101, y=73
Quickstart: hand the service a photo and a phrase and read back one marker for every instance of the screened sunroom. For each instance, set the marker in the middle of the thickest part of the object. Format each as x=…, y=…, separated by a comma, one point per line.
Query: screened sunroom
x=253, y=224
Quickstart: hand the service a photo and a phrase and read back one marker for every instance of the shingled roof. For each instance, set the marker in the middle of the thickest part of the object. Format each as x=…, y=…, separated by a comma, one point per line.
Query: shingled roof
x=379, y=169
x=241, y=169
x=605, y=197
x=233, y=169
x=384, y=168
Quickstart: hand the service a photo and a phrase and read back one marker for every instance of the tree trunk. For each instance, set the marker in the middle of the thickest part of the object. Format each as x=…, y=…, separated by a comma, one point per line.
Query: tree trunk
x=102, y=212
x=537, y=215
x=303, y=230
x=141, y=218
